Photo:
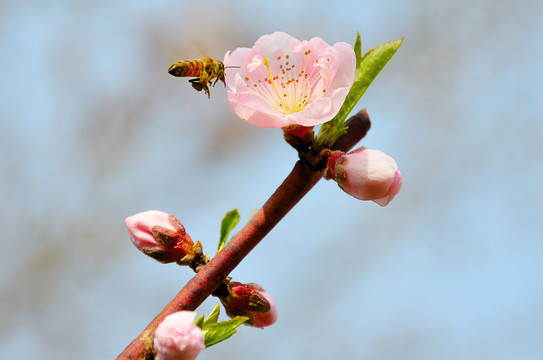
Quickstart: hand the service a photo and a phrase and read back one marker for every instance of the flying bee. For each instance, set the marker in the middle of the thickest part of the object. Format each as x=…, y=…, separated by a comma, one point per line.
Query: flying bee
x=204, y=71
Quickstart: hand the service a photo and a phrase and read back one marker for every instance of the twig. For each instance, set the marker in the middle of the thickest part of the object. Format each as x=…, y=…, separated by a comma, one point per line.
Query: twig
x=294, y=187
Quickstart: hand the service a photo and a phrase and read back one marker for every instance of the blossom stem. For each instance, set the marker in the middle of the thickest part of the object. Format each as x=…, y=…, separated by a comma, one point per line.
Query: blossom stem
x=294, y=187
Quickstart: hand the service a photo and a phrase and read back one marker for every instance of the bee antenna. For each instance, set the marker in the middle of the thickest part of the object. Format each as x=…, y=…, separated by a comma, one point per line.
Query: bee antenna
x=227, y=67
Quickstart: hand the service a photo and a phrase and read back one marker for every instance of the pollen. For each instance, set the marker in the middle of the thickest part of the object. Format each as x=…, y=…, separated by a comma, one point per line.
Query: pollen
x=289, y=82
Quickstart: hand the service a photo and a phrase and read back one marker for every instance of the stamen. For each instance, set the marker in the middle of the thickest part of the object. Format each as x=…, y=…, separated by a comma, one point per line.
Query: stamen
x=291, y=90
x=273, y=84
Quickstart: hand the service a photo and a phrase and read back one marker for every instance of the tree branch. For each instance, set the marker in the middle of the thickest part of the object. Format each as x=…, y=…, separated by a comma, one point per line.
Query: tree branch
x=294, y=187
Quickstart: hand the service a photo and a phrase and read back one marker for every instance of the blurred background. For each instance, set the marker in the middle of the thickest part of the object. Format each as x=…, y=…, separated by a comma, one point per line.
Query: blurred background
x=93, y=129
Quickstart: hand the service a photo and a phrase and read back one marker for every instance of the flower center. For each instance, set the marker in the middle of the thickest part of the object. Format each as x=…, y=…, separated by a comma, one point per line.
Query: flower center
x=289, y=88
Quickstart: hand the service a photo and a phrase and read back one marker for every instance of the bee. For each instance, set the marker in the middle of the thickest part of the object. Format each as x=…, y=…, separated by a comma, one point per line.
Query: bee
x=204, y=71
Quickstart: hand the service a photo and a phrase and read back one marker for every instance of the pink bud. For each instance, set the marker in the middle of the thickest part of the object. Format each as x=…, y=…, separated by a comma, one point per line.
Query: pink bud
x=178, y=338
x=366, y=174
x=159, y=235
x=250, y=300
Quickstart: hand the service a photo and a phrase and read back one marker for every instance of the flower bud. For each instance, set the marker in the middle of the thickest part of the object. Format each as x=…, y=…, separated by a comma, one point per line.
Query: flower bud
x=250, y=300
x=159, y=235
x=178, y=338
x=365, y=174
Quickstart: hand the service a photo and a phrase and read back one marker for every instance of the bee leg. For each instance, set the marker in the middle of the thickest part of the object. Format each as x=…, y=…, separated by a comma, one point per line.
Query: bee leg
x=196, y=84
x=199, y=86
x=221, y=79
x=206, y=89
x=204, y=80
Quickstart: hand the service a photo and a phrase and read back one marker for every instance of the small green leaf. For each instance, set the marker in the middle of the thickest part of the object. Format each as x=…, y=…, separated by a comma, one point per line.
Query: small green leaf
x=200, y=321
x=372, y=63
x=217, y=332
x=367, y=69
x=214, y=316
x=358, y=49
x=229, y=221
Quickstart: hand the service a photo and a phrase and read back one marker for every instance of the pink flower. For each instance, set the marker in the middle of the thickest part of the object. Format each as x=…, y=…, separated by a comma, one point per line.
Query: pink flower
x=159, y=235
x=177, y=338
x=366, y=174
x=283, y=81
x=250, y=300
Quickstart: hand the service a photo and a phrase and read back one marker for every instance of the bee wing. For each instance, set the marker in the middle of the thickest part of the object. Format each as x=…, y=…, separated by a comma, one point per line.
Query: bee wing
x=197, y=44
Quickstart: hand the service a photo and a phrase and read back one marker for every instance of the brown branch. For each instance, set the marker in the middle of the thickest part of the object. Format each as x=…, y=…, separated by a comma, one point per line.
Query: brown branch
x=294, y=187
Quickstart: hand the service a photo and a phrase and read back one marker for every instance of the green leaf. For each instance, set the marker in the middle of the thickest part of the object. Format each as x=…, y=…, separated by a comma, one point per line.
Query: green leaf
x=217, y=332
x=200, y=321
x=367, y=69
x=372, y=63
x=214, y=316
x=358, y=49
x=229, y=221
